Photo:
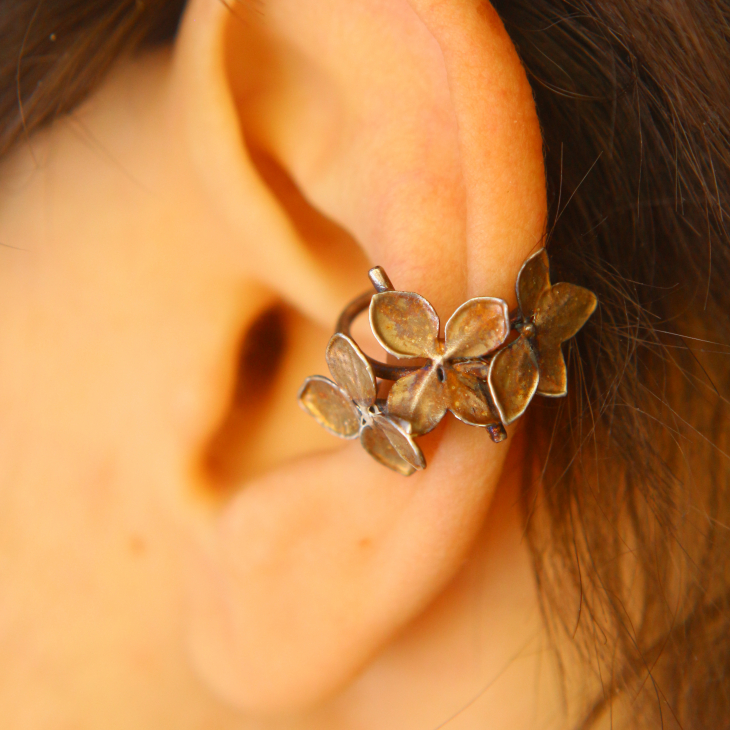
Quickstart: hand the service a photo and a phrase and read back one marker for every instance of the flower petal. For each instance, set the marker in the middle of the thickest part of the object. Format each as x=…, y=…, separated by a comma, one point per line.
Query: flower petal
x=330, y=406
x=562, y=311
x=466, y=399
x=477, y=368
x=420, y=399
x=399, y=435
x=553, y=373
x=376, y=443
x=405, y=324
x=350, y=369
x=477, y=327
x=532, y=281
x=513, y=379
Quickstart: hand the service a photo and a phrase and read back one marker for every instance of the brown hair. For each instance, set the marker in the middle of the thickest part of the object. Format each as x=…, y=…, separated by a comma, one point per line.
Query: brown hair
x=634, y=103
x=52, y=54
x=628, y=518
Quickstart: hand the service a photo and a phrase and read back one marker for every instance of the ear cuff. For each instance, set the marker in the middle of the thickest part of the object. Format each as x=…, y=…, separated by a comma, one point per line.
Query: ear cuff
x=485, y=369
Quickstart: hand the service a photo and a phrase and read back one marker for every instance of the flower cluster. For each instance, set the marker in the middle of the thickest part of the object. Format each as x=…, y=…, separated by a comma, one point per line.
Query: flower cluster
x=348, y=408
x=474, y=371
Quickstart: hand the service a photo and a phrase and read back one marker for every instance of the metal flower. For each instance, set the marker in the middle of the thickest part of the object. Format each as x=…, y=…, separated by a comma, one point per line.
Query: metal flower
x=534, y=362
x=348, y=408
x=407, y=326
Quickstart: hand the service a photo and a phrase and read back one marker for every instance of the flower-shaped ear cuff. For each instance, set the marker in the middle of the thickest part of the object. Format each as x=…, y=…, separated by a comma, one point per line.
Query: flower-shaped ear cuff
x=476, y=370
x=348, y=408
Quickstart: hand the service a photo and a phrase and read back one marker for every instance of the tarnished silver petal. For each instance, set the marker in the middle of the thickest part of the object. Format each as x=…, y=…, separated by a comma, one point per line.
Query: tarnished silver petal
x=466, y=400
x=513, y=379
x=330, y=406
x=398, y=432
x=477, y=327
x=478, y=368
x=419, y=398
x=351, y=370
x=562, y=311
x=377, y=444
x=405, y=324
x=553, y=373
x=532, y=281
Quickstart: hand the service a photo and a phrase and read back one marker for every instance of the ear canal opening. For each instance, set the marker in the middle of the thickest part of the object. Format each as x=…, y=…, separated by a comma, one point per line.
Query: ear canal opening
x=260, y=358
x=236, y=452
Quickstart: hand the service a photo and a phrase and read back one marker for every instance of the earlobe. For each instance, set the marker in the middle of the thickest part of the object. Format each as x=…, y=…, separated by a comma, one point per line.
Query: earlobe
x=435, y=168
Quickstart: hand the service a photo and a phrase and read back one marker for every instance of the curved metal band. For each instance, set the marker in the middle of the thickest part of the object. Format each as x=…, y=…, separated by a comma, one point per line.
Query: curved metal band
x=381, y=370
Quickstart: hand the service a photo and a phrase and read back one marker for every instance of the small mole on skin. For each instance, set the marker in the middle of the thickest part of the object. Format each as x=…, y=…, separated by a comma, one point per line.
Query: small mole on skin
x=137, y=545
x=366, y=542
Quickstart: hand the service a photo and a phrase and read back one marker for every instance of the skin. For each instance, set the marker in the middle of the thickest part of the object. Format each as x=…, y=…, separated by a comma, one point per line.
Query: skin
x=301, y=585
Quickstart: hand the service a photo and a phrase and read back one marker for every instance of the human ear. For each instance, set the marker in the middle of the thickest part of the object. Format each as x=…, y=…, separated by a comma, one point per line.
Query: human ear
x=411, y=126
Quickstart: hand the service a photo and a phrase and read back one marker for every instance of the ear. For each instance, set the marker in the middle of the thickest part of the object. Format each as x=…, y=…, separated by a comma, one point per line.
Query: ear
x=410, y=128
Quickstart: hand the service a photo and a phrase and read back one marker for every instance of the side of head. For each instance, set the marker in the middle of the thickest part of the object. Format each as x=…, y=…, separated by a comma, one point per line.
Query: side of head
x=188, y=236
